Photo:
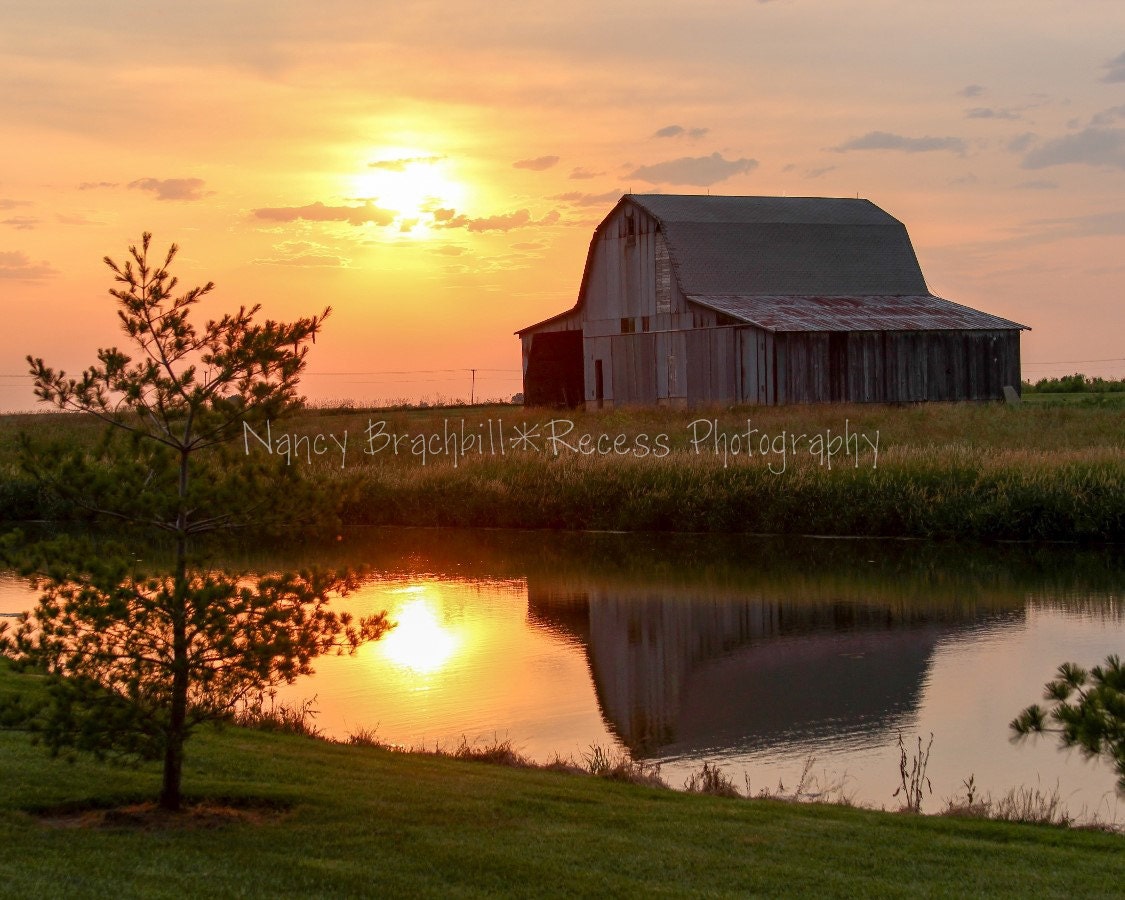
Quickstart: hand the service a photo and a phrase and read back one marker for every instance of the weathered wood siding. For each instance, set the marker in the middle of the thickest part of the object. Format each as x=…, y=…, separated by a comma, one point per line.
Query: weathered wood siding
x=645, y=368
x=634, y=316
x=756, y=365
x=895, y=366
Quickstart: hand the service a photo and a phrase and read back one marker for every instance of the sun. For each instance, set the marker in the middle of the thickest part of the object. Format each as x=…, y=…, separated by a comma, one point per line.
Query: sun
x=410, y=184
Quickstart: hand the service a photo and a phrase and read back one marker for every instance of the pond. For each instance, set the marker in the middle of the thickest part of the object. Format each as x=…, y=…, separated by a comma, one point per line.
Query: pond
x=763, y=655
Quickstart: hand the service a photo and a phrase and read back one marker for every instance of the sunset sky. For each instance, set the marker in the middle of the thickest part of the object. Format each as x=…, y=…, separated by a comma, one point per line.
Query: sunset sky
x=433, y=170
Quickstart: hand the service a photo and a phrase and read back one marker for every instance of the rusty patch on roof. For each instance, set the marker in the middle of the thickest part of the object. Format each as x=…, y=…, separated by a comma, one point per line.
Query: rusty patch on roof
x=912, y=312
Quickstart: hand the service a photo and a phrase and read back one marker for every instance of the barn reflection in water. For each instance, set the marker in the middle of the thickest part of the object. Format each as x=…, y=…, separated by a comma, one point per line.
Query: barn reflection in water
x=684, y=668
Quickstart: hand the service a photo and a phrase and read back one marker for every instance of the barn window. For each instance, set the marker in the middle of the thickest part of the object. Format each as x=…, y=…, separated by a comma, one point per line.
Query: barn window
x=628, y=326
x=630, y=228
x=646, y=323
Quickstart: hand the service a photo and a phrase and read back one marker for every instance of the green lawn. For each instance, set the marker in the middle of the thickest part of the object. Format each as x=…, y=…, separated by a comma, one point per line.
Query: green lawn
x=363, y=821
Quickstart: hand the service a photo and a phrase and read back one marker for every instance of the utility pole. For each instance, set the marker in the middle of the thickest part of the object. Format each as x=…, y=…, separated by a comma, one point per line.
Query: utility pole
x=473, y=389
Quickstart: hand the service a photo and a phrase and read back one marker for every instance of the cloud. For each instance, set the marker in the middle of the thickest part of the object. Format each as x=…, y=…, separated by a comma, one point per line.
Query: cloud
x=95, y=185
x=1116, y=68
x=1039, y=184
x=885, y=140
x=1110, y=223
x=580, y=174
x=448, y=250
x=448, y=218
x=971, y=90
x=21, y=223
x=985, y=112
x=673, y=131
x=1089, y=147
x=538, y=164
x=529, y=245
x=695, y=170
x=17, y=266
x=305, y=254
x=816, y=173
x=399, y=165
x=1108, y=116
x=13, y=204
x=577, y=198
x=1020, y=142
x=171, y=188
x=318, y=212
x=521, y=218
x=75, y=220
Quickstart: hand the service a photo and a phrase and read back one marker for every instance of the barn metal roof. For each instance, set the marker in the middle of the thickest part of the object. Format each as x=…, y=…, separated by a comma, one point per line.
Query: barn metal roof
x=785, y=245
x=708, y=209
x=917, y=312
x=796, y=264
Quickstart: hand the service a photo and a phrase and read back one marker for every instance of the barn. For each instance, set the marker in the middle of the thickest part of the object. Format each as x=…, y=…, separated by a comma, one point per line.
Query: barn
x=690, y=300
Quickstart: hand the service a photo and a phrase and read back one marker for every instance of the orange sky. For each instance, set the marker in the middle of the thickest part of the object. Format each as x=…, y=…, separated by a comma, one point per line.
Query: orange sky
x=433, y=170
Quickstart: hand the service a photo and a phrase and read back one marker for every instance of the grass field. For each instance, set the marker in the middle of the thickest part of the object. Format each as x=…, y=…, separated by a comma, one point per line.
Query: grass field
x=1105, y=398
x=330, y=820
x=1036, y=471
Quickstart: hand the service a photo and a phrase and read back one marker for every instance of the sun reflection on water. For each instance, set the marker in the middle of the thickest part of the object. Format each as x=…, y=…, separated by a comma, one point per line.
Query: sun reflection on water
x=419, y=641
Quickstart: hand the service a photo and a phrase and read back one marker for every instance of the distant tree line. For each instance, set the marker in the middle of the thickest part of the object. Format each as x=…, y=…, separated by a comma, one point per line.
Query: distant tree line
x=1075, y=384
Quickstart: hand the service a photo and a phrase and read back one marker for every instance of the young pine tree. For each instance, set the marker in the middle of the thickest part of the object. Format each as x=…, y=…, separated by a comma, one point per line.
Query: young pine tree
x=136, y=661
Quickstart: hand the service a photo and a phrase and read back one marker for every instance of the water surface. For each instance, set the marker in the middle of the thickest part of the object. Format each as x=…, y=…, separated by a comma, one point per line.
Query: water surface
x=757, y=654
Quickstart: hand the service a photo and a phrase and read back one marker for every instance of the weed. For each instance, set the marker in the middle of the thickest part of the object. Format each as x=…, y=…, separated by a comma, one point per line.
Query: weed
x=495, y=752
x=367, y=737
x=1029, y=805
x=290, y=718
x=914, y=782
x=618, y=766
x=1034, y=805
x=711, y=780
x=809, y=789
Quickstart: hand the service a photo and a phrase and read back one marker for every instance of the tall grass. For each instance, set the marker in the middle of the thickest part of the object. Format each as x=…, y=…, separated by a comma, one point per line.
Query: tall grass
x=943, y=470
x=914, y=493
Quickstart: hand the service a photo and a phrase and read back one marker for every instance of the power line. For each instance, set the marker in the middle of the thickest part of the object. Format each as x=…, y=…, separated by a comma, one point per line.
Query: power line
x=1070, y=362
x=461, y=370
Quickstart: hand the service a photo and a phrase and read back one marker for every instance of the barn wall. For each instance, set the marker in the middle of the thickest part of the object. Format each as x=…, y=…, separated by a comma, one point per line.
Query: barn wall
x=621, y=282
x=634, y=315
x=643, y=369
x=713, y=366
x=895, y=366
x=865, y=362
x=756, y=362
x=743, y=364
x=749, y=365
